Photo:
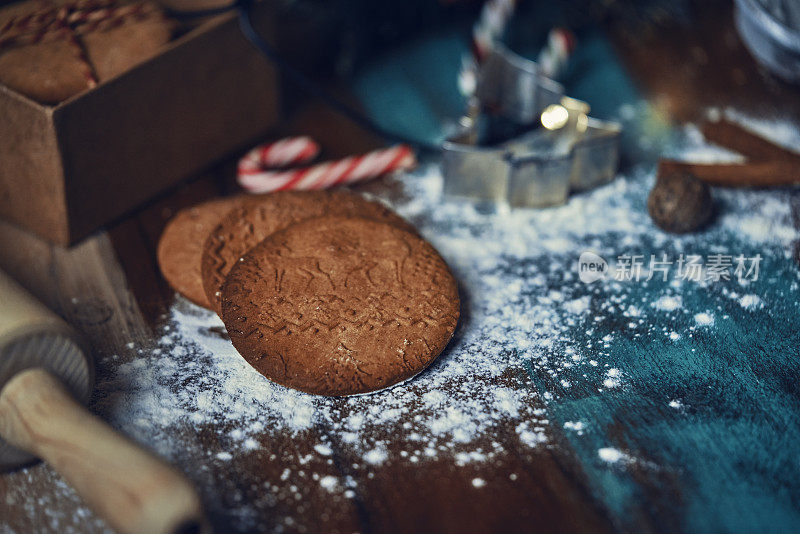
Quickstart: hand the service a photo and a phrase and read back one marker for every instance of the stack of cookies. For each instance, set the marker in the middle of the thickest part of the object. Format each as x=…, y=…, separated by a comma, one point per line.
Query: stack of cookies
x=51, y=50
x=322, y=291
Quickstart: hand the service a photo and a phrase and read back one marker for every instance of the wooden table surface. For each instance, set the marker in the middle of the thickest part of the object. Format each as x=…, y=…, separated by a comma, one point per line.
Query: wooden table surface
x=110, y=288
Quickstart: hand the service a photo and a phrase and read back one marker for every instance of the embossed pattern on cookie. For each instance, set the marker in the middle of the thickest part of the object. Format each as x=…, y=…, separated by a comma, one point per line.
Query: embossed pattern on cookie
x=340, y=305
x=180, y=247
x=245, y=227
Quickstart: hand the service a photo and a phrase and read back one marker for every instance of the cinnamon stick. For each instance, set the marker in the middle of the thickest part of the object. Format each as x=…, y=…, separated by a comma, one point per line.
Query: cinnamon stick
x=775, y=173
x=732, y=136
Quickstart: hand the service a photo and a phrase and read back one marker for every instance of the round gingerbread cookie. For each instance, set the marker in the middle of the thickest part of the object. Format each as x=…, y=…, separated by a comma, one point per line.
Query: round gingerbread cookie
x=180, y=247
x=244, y=227
x=340, y=305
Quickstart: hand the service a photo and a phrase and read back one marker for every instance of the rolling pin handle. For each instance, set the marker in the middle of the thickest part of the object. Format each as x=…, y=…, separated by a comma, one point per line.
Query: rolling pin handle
x=132, y=489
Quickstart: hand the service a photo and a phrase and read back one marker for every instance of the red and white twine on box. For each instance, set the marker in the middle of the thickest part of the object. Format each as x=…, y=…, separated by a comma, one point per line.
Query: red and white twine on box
x=69, y=21
x=257, y=174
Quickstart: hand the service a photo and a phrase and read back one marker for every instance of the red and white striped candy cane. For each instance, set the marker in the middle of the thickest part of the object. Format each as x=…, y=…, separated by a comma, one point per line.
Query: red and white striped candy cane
x=289, y=151
x=553, y=57
x=489, y=28
x=332, y=173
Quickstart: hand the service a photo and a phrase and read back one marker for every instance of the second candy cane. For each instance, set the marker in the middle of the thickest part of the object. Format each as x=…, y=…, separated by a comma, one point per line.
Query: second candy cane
x=330, y=174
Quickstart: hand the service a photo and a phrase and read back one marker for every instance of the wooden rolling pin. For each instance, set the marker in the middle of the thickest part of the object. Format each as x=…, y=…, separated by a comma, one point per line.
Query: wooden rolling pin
x=45, y=378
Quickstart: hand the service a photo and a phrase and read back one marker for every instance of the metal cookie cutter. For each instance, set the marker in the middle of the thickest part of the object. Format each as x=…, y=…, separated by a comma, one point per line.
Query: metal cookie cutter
x=539, y=167
x=515, y=87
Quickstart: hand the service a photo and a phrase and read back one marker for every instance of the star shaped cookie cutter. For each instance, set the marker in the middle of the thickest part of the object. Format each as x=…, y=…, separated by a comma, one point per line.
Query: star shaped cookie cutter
x=533, y=166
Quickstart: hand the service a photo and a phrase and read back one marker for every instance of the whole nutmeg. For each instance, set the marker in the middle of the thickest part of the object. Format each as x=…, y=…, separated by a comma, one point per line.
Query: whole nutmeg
x=680, y=203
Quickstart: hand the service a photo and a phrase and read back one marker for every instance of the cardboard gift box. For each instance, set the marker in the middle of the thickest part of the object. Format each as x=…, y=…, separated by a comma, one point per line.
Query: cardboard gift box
x=68, y=169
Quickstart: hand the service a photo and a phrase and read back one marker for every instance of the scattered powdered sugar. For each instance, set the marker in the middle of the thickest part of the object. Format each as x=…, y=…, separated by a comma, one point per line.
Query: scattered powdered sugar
x=451, y=406
x=375, y=456
x=612, y=455
x=612, y=379
x=576, y=426
x=704, y=319
x=578, y=306
x=329, y=482
x=619, y=459
x=668, y=303
x=531, y=435
x=751, y=302
x=515, y=351
x=324, y=450
x=37, y=495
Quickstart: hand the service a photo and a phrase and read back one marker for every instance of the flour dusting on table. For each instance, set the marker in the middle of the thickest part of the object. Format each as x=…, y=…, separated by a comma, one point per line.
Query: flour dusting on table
x=531, y=333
